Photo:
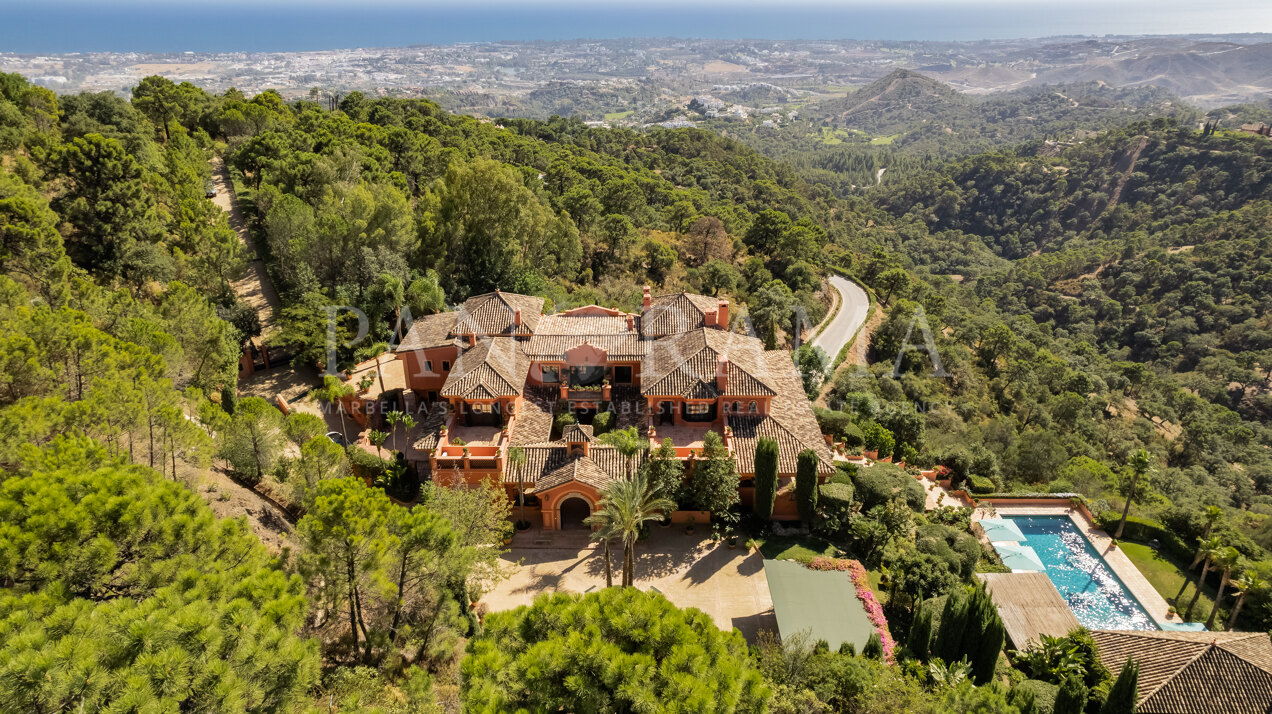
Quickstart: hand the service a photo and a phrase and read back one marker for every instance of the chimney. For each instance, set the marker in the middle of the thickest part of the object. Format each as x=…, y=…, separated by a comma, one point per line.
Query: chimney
x=631, y=323
x=516, y=317
x=722, y=315
x=645, y=301
x=722, y=373
x=472, y=340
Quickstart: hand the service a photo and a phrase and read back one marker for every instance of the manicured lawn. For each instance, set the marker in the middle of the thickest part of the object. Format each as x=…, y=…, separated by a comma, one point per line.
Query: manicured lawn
x=884, y=140
x=800, y=548
x=613, y=116
x=1166, y=576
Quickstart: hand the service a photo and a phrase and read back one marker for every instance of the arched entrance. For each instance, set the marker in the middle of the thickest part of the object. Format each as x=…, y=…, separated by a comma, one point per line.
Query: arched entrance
x=573, y=511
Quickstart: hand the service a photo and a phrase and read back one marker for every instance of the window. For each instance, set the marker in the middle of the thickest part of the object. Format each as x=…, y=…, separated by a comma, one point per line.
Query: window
x=755, y=407
x=479, y=408
x=551, y=375
x=445, y=366
x=697, y=408
x=428, y=365
x=622, y=375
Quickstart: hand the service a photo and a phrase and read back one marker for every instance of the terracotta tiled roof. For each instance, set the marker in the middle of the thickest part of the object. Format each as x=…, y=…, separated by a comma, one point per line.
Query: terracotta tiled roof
x=1194, y=672
x=494, y=314
x=577, y=433
x=533, y=424
x=426, y=436
x=494, y=367
x=429, y=331
x=686, y=366
x=790, y=422
x=676, y=313
x=617, y=347
x=550, y=465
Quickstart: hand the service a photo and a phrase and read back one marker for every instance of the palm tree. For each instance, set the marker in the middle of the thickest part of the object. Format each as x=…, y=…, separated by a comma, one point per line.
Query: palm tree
x=517, y=459
x=1210, y=555
x=1141, y=464
x=1209, y=545
x=627, y=506
x=333, y=391
x=1211, y=516
x=1245, y=584
x=604, y=532
x=1229, y=559
x=377, y=439
x=627, y=442
x=400, y=419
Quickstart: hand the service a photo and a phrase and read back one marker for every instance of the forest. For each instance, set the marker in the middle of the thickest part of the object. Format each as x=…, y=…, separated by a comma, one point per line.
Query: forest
x=1106, y=336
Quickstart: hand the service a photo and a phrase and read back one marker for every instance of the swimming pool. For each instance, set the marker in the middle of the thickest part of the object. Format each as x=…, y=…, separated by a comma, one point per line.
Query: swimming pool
x=1093, y=591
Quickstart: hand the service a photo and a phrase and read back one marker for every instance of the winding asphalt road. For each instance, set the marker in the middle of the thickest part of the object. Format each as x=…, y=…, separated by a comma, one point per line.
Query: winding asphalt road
x=854, y=304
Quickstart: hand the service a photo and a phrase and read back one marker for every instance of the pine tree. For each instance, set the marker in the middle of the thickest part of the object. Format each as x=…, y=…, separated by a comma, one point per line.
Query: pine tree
x=1072, y=697
x=765, y=478
x=806, y=486
x=1123, y=694
x=920, y=640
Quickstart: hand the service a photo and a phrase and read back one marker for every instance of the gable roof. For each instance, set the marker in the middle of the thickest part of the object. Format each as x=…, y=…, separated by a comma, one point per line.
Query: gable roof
x=676, y=313
x=557, y=334
x=790, y=422
x=577, y=434
x=494, y=367
x=1194, y=672
x=495, y=314
x=429, y=331
x=685, y=366
x=550, y=466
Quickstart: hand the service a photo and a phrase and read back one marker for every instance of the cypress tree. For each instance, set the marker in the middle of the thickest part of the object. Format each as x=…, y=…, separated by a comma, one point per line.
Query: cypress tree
x=984, y=636
x=874, y=647
x=920, y=640
x=949, y=637
x=765, y=478
x=806, y=486
x=1072, y=697
x=1123, y=694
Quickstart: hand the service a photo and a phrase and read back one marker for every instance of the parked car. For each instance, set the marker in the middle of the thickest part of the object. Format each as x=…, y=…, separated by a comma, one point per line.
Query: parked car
x=209, y=189
x=336, y=437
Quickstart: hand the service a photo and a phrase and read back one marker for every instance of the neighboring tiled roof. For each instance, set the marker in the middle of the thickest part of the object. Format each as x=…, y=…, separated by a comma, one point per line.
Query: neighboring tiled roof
x=556, y=334
x=686, y=366
x=576, y=433
x=494, y=367
x=1194, y=672
x=676, y=313
x=426, y=436
x=429, y=331
x=790, y=422
x=533, y=424
x=550, y=465
x=494, y=313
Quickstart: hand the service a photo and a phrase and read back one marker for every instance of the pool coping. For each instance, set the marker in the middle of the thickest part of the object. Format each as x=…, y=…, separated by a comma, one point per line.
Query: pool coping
x=1132, y=579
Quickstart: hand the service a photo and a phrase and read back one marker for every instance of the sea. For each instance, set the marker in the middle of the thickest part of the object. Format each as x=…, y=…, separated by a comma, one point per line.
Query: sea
x=61, y=26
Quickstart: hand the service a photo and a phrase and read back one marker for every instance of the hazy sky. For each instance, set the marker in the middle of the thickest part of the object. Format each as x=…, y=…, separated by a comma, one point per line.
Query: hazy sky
x=149, y=25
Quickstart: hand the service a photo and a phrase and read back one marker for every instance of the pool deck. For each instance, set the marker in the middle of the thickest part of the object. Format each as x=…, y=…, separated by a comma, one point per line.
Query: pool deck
x=1149, y=599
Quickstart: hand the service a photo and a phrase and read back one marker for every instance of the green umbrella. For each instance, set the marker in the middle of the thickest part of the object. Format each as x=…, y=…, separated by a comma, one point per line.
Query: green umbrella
x=1019, y=557
x=1001, y=529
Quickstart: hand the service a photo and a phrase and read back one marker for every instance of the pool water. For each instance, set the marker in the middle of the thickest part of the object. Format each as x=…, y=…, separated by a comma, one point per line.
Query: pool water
x=1095, y=594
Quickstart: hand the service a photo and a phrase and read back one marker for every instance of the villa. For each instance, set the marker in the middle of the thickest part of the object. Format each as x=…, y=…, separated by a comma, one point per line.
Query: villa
x=493, y=375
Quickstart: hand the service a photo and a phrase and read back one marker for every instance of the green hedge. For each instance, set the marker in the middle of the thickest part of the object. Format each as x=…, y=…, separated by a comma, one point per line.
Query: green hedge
x=981, y=484
x=1144, y=530
x=881, y=483
x=836, y=495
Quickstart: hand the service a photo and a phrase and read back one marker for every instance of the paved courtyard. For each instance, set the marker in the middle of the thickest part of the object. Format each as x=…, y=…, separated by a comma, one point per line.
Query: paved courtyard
x=691, y=571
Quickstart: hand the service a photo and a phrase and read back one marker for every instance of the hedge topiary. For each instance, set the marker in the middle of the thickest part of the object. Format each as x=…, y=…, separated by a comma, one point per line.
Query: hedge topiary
x=1044, y=694
x=834, y=502
x=602, y=423
x=981, y=484
x=877, y=485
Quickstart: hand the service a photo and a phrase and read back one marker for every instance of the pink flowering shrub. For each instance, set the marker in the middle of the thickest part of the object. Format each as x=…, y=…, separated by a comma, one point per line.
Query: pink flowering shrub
x=861, y=581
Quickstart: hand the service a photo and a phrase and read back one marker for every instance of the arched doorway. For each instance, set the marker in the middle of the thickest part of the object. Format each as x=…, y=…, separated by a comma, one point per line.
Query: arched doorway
x=573, y=511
